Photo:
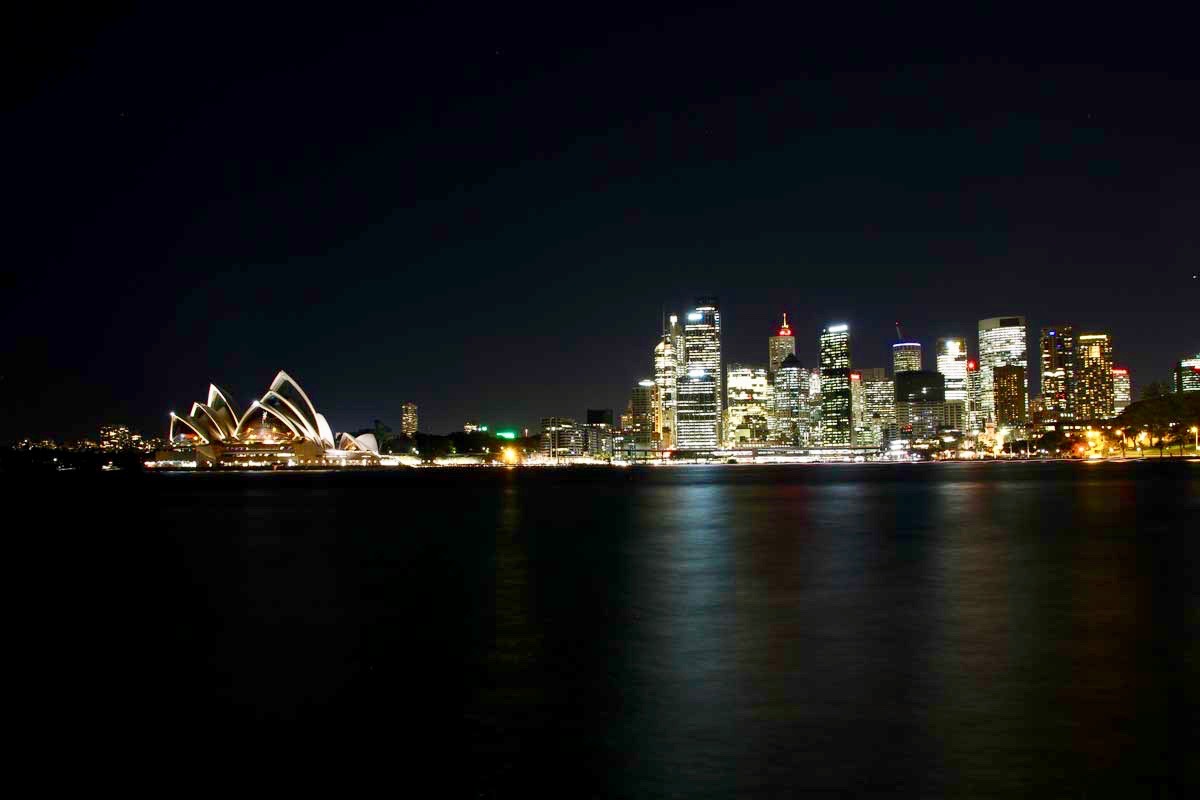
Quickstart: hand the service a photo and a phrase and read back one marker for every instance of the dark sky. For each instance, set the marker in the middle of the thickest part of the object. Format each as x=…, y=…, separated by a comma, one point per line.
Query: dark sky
x=486, y=210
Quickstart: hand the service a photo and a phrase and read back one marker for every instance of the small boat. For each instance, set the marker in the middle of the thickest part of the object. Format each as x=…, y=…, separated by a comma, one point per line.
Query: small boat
x=110, y=467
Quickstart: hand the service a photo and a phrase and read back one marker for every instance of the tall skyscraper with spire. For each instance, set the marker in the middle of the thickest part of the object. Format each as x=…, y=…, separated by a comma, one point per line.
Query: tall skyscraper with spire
x=837, y=428
x=780, y=346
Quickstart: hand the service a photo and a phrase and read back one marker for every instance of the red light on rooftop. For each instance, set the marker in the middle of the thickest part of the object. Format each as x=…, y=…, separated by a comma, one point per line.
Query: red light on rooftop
x=784, y=330
x=1120, y=371
x=972, y=365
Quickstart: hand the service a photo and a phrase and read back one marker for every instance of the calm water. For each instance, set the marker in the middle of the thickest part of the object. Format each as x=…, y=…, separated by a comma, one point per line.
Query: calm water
x=971, y=630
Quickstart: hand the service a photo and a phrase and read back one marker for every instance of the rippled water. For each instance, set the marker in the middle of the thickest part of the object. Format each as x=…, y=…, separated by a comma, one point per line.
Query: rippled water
x=972, y=630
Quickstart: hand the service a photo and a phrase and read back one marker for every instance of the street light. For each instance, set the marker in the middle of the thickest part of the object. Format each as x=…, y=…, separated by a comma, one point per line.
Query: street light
x=1195, y=431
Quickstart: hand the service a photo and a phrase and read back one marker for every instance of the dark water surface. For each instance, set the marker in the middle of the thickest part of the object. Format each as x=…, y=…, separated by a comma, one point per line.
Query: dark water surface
x=968, y=630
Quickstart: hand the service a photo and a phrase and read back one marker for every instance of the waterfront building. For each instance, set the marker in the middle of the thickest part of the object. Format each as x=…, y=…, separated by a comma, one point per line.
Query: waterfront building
x=408, y=419
x=906, y=357
x=879, y=408
x=1010, y=396
x=561, y=437
x=1122, y=389
x=920, y=403
x=748, y=393
x=780, y=346
x=702, y=343
x=836, y=423
x=666, y=370
x=281, y=428
x=696, y=412
x=1056, y=350
x=975, y=419
x=1001, y=343
x=116, y=438
x=790, y=422
x=1093, y=388
x=952, y=363
x=637, y=423
x=1187, y=374
x=597, y=440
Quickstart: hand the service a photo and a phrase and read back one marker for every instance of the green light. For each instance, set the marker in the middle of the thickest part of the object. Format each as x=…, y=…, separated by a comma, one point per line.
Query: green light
x=483, y=427
x=510, y=435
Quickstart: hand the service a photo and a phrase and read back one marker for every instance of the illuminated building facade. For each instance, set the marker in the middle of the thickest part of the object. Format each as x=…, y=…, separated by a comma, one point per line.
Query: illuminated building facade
x=1010, y=396
x=748, y=404
x=598, y=433
x=920, y=403
x=1187, y=374
x=790, y=420
x=282, y=428
x=1056, y=351
x=837, y=428
x=975, y=418
x=702, y=338
x=780, y=346
x=906, y=357
x=116, y=437
x=1122, y=389
x=952, y=363
x=678, y=341
x=1093, y=389
x=561, y=437
x=666, y=368
x=408, y=419
x=1001, y=344
x=879, y=408
x=637, y=423
x=696, y=412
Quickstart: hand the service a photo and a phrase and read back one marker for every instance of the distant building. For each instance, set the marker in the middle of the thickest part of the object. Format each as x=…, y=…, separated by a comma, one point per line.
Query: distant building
x=952, y=363
x=666, y=372
x=906, y=357
x=879, y=408
x=598, y=440
x=1187, y=374
x=748, y=404
x=116, y=438
x=920, y=403
x=473, y=426
x=789, y=422
x=561, y=437
x=1010, y=403
x=408, y=419
x=837, y=428
x=1093, y=389
x=780, y=346
x=638, y=423
x=975, y=418
x=702, y=342
x=1001, y=343
x=1122, y=389
x=696, y=412
x=1056, y=350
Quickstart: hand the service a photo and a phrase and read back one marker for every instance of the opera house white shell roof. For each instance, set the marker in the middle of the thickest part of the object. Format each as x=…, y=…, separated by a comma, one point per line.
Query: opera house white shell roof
x=283, y=414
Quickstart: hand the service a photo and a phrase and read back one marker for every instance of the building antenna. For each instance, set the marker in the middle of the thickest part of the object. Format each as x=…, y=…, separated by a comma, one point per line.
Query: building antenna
x=899, y=335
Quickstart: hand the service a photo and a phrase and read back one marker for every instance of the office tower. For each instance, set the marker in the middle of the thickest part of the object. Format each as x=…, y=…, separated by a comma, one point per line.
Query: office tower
x=975, y=419
x=951, y=355
x=702, y=341
x=598, y=433
x=748, y=399
x=1001, y=344
x=637, y=423
x=1056, y=350
x=1010, y=396
x=561, y=437
x=920, y=403
x=1187, y=374
x=1093, y=389
x=1122, y=390
x=115, y=437
x=408, y=419
x=780, y=346
x=665, y=374
x=696, y=412
x=906, y=357
x=675, y=330
x=836, y=425
x=858, y=406
x=790, y=424
x=879, y=407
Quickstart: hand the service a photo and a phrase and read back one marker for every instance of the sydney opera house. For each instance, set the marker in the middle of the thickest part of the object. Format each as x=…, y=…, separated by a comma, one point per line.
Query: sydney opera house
x=280, y=429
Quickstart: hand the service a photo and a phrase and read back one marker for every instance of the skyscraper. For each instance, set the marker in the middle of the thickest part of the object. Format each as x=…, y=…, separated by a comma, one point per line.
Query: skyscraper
x=637, y=423
x=665, y=375
x=675, y=331
x=780, y=346
x=696, y=412
x=408, y=419
x=789, y=419
x=952, y=363
x=879, y=407
x=836, y=424
x=702, y=342
x=748, y=402
x=1122, y=389
x=561, y=437
x=906, y=357
x=1056, y=349
x=1187, y=374
x=1093, y=389
x=1001, y=343
x=920, y=403
x=975, y=418
x=1010, y=397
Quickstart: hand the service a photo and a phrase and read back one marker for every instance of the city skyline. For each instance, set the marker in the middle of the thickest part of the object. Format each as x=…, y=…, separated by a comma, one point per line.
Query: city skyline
x=546, y=192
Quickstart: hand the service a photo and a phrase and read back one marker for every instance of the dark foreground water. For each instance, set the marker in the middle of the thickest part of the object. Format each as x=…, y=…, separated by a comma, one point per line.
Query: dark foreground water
x=969, y=630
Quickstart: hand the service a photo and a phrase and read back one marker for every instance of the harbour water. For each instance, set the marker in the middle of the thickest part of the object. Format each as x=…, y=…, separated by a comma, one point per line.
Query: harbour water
x=942, y=629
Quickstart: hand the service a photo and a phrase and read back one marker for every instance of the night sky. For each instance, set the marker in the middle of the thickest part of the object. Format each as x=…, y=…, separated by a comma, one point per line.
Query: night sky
x=487, y=211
